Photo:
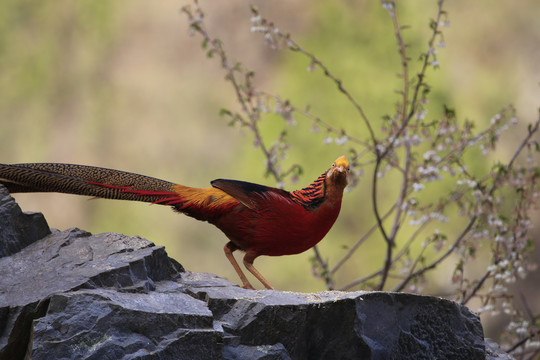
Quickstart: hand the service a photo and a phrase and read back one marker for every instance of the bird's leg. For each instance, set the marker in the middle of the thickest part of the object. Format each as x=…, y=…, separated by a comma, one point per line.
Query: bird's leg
x=248, y=263
x=229, y=248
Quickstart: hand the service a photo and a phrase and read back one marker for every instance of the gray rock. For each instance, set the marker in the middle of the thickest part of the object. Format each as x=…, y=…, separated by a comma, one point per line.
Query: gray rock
x=73, y=295
x=107, y=324
x=494, y=351
x=65, y=261
x=18, y=229
x=74, y=259
x=340, y=325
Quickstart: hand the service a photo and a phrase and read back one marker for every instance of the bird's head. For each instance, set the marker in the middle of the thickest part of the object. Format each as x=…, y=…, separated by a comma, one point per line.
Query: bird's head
x=339, y=172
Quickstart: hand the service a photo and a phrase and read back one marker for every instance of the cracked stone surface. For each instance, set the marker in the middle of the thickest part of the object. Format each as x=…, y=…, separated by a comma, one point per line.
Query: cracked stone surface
x=72, y=295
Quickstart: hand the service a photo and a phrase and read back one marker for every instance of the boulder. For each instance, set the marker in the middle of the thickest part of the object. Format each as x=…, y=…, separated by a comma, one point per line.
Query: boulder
x=72, y=295
x=18, y=229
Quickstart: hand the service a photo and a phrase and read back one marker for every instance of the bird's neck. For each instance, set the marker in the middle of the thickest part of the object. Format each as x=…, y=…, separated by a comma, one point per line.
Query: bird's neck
x=333, y=195
x=326, y=213
x=321, y=192
x=311, y=196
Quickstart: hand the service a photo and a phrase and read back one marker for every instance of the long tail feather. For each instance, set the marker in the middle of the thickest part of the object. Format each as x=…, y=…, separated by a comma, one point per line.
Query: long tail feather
x=87, y=180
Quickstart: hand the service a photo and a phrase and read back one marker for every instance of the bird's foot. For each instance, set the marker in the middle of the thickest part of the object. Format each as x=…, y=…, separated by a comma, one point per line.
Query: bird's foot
x=248, y=286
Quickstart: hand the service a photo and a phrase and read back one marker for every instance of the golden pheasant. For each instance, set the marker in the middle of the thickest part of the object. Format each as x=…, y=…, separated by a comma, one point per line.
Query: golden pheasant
x=257, y=219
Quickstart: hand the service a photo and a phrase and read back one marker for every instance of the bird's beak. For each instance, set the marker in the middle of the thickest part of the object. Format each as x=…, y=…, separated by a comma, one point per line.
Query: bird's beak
x=337, y=170
x=340, y=171
x=342, y=164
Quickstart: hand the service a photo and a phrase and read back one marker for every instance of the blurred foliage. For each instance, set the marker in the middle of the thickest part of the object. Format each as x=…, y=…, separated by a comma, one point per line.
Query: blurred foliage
x=122, y=85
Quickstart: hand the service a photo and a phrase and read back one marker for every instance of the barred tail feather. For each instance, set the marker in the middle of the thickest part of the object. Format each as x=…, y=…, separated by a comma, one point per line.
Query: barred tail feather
x=87, y=180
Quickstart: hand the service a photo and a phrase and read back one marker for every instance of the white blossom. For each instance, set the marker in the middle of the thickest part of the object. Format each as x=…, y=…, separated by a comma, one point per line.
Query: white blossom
x=522, y=272
x=485, y=308
x=421, y=114
x=438, y=216
x=470, y=183
x=494, y=220
x=444, y=23
x=495, y=119
x=341, y=140
x=414, y=140
x=259, y=29
x=532, y=344
x=429, y=173
x=419, y=221
x=499, y=289
x=431, y=155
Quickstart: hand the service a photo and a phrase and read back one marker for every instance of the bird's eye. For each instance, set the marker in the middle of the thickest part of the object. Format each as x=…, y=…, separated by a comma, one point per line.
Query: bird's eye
x=333, y=164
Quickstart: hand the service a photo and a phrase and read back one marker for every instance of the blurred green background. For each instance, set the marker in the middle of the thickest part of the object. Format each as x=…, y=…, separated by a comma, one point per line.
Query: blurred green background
x=122, y=85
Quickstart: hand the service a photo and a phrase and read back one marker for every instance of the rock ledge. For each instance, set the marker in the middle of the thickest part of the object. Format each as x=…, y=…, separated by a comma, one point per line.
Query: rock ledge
x=69, y=294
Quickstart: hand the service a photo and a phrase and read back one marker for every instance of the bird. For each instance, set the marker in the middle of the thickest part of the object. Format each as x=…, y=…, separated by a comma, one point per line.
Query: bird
x=256, y=219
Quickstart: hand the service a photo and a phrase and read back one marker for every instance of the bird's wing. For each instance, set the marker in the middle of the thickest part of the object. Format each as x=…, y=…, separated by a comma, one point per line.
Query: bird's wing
x=249, y=194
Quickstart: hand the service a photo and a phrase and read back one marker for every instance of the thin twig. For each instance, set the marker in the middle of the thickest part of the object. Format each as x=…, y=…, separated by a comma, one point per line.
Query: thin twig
x=512, y=348
x=381, y=153
x=358, y=243
x=476, y=288
x=271, y=31
x=326, y=275
x=197, y=24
